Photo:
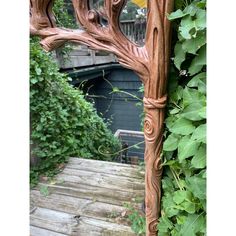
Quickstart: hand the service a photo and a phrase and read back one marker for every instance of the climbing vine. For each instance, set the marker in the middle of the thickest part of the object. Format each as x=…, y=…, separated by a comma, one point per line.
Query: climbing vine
x=183, y=210
x=184, y=151
x=63, y=123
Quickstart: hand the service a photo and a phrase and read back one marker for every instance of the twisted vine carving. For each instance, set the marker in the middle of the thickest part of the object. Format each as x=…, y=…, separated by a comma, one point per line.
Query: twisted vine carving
x=150, y=62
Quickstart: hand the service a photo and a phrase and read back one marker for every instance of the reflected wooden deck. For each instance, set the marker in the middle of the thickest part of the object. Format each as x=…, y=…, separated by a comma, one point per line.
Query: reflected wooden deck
x=82, y=56
x=86, y=199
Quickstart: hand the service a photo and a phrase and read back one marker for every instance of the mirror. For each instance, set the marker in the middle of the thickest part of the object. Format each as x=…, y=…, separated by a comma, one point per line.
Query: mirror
x=133, y=20
x=98, y=5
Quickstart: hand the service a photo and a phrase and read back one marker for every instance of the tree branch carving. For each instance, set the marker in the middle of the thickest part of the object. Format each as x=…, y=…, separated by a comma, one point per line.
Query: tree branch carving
x=107, y=38
x=150, y=62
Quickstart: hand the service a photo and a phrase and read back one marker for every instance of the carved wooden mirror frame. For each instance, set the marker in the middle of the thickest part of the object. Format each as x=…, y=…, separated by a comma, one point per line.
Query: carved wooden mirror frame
x=150, y=62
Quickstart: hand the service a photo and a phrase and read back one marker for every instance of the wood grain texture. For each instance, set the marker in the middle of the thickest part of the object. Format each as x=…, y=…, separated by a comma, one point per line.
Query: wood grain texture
x=67, y=224
x=85, y=207
x=150, y=62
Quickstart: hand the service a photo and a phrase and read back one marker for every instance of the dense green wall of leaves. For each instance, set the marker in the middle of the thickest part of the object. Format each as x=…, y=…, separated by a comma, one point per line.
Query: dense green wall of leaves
x=184, y=156
x=63, y=123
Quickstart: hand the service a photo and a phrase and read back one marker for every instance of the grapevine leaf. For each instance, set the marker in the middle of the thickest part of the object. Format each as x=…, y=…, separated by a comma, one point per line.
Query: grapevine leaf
x=186, y=25
x=177, y=14
x=192, y=112
x=197, y=186
x=182, y=126
x=194, y=44
x=198, y=62
x=199, y=134
x=171, y=143
x=199, y=159
x=180, y=196
x=179, y=55
x=187, y=148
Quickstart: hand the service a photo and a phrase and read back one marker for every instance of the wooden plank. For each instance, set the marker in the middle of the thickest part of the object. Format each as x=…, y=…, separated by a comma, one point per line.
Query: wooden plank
x=56, y=221
x=77, y=206
x=100, y=163
x=108, y=229
x=75, y=61
x=99, y=179
x=105, y=167
x=35, y=231
x=113, y=171
x=83, y=60
x=83, y=226
x=79, y=52
x=95, y=193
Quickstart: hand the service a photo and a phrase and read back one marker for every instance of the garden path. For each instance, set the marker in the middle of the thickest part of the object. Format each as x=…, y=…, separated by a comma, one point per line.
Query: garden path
x=86, y=199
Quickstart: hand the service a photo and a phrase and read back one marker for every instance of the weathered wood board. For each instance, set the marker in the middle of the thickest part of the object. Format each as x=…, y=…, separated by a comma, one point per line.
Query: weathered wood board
x=83, y=57
x=87, y=199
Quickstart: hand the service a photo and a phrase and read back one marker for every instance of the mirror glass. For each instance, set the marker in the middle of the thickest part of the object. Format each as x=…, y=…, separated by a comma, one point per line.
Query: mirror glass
x=98, y=5
x=133, y=20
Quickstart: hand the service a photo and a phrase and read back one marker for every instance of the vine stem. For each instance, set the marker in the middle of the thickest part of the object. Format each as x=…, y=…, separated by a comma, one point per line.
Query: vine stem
x=116, y=153
x=176, y=180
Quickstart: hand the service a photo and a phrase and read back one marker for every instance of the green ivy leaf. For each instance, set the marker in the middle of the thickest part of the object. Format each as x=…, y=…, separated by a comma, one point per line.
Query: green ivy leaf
x=193, y=112
x=199, y=159
x=187, y=148
x=199, y=134
x=169, y=205
x=200, y=19
x=202, y=112
x=38, y=70
x=192, y=96
x=186, y=25
x=169, y=122
x=191, y=9
x=177, y=94
x=167, y=184
x=181, y=219
x=194, y=44
x=198, y=81
x=164, y=225
x=175, y=111
x=189, y=207
x=180, y=196
x=182, y=126
x=177, y=14
x=179, y=55
x=33, y=81
x=198, y=62
x=171, y=143
x=197, y=186
x=194, y=223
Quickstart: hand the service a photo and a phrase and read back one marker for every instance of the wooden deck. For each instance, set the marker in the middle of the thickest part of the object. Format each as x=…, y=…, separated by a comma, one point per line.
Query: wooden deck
x=86, y=199
x=82, y=56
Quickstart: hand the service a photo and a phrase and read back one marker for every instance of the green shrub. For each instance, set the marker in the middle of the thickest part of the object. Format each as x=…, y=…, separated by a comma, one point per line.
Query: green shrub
x=184, y=150
x=63, y=123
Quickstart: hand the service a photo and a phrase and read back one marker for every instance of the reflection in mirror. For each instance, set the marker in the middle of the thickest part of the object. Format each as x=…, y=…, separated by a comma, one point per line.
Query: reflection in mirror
x=133, y=20
x=64, y=14
x=98, y=5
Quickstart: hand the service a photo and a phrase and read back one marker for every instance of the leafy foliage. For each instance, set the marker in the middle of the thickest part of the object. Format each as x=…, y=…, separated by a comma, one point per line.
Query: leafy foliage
x=63, y=123
x=184, y=149
x=63, y=18
x=138, y=221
